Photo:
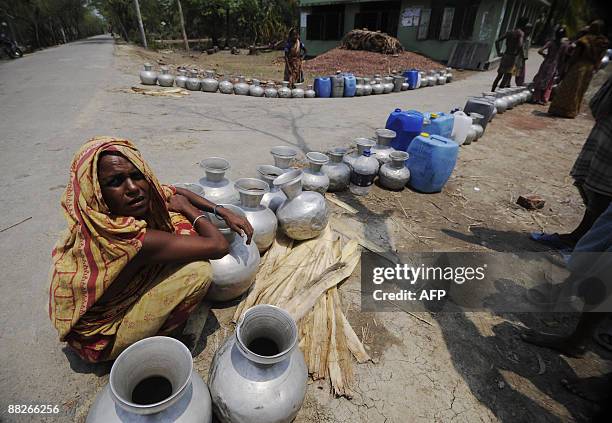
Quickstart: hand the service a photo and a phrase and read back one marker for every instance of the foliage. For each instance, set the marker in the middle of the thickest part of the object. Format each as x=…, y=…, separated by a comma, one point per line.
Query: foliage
x=42, y=23
x=248, y=21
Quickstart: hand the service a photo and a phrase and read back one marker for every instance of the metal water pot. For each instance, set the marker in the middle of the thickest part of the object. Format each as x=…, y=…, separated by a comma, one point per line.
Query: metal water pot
x=338, y=172
x=477, y=119
x=359, y=87
x=148, y=76
x=262, y=219
x=275, y=197
x=424, y=80
x=209, y=83
x=181, y=78
x=165, y=79
x=193, y=82
x=313, y=178
x=233, y=274
x=367, y=88
x=284, y=91
x=449, y=75
x=388, y=84
x=398, y=81
x=383, y=149
x=283, y=156
x=164, y=366
x=270, y=90
x=395, y=175
x=195, y=188
x=226, y=87
x=364, y=168
x=298, y=91
x=405, y=86
x=256, y=90
x=377, y=86
x=309, y=92
x=259, y=374
x=241, y=87
x=304, y=215
x=217, y=188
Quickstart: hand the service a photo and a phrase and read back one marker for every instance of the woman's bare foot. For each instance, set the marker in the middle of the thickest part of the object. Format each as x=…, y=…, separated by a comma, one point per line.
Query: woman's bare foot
x=595, y=389
x=563, y=344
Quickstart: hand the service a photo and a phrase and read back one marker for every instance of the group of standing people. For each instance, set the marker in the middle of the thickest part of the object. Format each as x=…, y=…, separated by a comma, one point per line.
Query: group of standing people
x=568, y=63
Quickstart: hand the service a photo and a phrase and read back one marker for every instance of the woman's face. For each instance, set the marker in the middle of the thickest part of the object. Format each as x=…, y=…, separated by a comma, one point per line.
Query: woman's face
x=124, y=189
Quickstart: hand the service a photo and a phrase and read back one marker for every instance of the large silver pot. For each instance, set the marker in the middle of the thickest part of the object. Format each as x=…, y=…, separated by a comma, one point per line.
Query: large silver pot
x=262, y=219
x=181, y=78
x=364, y=168
x=377, y=86
x=477, y=119
x=195, y=188
x=270, y=90
x=256, y=90
x=297, y=92
x=359, y=87
x=338, y=172
x=395, y=175
x=193, y=82
x=241, y=87
x=176, y=392
x=226, y=87
x=309, y=92
x=383, y=149
x=304, y=215
x=165, y=79
x=148, y=76
x=398, y=81
x=283, y=156
x=388, y=84
x=275, y=197
x=259, y=374
x=284, y=91
x=217, y=188
x=209, y=83
x=233, y=274
x=367, y=88
x=313, y=179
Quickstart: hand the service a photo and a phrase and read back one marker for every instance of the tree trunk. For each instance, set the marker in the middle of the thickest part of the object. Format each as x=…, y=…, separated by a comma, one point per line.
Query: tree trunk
x=180, y=8
x=227, y=26
x=140, y=25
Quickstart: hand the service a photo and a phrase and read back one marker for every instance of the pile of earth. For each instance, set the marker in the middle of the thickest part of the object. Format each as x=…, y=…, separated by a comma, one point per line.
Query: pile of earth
x=366, y=63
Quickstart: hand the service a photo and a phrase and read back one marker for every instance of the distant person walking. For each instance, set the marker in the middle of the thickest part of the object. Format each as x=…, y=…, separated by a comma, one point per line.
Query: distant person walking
x=521, y=64
x=294, y=54
x=585, y=59
x=507, y=65
x=545, y=78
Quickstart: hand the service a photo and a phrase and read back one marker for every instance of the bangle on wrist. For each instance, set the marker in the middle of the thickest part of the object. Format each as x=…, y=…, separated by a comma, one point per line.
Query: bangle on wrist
x=215, y=210
x=196, y=219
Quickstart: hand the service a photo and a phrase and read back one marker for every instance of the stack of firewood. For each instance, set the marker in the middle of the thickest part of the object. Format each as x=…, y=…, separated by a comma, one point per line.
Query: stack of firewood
x=362, y=39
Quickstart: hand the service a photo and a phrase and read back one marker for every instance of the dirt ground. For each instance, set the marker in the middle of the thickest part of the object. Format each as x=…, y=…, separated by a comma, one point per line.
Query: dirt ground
x=270, y=65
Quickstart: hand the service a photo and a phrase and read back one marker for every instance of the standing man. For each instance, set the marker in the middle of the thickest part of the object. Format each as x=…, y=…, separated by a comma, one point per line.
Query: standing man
x=519, y=78
x=514, y=45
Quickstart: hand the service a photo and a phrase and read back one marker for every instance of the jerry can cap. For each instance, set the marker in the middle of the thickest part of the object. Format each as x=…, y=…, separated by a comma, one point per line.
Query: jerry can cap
x=425, y=134
x=433, y=115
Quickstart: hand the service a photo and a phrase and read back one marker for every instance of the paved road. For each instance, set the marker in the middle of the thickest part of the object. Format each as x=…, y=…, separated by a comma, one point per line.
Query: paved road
x=53, y=100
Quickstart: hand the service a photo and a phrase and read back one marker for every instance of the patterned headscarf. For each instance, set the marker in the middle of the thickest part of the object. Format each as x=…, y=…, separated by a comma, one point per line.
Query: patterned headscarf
x=97, y=245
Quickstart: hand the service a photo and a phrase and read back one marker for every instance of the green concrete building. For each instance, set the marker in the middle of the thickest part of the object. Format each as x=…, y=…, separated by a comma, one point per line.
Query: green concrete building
x=460, y=33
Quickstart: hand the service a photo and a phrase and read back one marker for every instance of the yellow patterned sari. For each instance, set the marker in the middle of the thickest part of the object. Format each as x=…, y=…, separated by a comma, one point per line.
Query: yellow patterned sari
x=97, y=246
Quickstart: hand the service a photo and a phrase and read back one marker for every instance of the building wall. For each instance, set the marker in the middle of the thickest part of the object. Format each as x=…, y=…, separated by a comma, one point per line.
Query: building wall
x=489, y=23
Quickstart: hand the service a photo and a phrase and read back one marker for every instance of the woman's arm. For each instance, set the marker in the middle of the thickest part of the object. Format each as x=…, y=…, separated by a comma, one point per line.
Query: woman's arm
x=236, y=223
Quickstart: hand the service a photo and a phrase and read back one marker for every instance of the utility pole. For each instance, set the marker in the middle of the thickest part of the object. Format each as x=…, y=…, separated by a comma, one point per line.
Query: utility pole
x=180, y=8
x=140, y=25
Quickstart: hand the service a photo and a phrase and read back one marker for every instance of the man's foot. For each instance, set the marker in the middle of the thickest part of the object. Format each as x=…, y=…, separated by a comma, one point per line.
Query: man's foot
x=595, y=389
x=562, y=344
x=557, y=241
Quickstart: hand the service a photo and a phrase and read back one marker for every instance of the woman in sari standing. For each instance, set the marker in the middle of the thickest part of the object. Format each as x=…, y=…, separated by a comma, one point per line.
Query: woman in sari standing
x=586, y=58
x=545, y=78
x=133, y=262
x=294, y=54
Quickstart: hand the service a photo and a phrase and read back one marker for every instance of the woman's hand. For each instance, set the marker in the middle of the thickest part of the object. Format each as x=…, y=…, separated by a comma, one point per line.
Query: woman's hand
x=236, y=223
x=179, y=204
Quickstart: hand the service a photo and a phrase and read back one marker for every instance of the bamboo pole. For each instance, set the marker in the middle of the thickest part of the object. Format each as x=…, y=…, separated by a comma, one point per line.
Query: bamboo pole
x=180, y=8
x=140, y=25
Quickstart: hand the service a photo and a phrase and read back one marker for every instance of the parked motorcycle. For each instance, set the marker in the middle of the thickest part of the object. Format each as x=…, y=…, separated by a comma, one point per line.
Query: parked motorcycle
x=11, y=49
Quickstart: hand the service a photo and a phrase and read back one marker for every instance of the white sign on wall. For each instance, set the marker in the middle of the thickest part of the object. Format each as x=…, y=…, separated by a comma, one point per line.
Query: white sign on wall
x=410, y=16
x=303, y=19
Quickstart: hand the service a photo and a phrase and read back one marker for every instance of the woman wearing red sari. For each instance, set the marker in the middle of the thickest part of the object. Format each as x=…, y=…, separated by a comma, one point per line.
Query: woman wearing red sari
x=544, y=79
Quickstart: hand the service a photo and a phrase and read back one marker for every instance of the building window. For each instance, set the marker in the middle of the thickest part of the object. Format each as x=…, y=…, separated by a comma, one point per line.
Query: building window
x=325, y=23
x=452, y=19
x=378, y=16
